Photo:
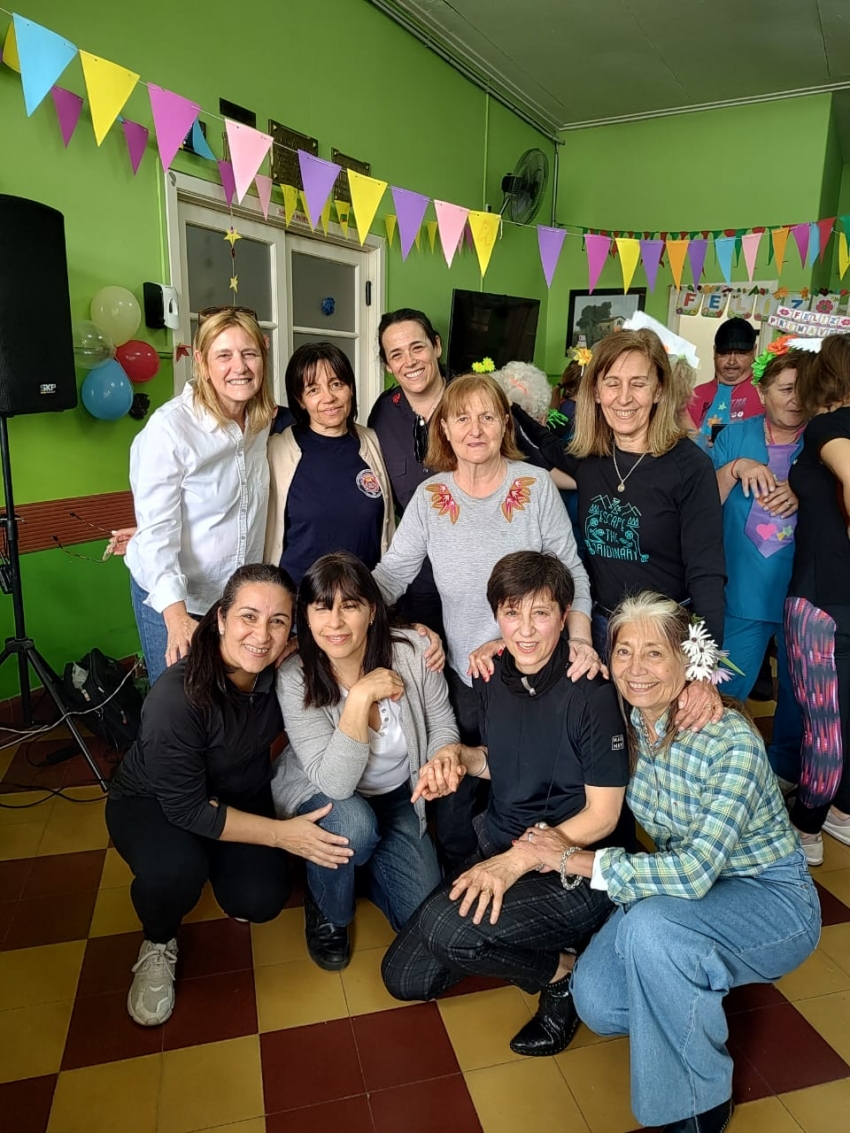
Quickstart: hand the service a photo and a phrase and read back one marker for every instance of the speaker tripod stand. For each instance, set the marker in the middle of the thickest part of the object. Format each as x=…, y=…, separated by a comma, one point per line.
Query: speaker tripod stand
x=22, y=646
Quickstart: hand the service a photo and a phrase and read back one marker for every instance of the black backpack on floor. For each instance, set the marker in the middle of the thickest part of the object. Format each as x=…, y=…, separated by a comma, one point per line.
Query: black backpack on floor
x=98, y=682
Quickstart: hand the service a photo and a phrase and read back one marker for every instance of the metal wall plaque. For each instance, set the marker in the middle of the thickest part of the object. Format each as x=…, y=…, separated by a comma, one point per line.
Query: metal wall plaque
x=341, y=190
x=285, y=166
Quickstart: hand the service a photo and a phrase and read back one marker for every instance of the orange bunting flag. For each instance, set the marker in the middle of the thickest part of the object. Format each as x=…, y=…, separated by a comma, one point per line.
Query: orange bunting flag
x=484, y=227
x=629, y=250
x=366, y=193
x=677, y=251
x=108, y=86
x=779, y=236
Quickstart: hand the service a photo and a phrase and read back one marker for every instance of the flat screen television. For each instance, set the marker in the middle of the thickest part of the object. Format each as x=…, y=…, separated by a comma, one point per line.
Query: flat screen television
x=501, y=327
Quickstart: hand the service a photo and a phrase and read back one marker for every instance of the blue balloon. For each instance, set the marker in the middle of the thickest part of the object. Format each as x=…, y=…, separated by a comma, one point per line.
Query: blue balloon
x=107, y=392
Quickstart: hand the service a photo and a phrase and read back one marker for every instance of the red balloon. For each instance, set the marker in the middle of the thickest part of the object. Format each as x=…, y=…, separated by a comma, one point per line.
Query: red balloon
x=139, y=360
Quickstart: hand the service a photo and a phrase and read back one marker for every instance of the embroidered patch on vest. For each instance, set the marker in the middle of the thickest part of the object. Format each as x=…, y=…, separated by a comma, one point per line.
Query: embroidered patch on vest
x=368, y=483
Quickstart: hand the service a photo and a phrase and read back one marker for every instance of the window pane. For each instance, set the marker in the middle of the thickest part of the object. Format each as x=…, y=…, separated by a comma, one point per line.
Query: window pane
x=210, y=267
x=314, y=280
x=347, y=345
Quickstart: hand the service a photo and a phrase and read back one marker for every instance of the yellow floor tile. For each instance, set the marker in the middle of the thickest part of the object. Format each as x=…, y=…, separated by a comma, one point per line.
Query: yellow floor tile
x=598, y=1077
x=819, y=975
x=32, y=1040
x=255, y=1125
x=20, y=840
x=481, y=1025
x=837, y=882
x=90, y=793
x=16, y=808
x=835, y=856
x=835, y=942
x=820, y=1109
x=116, y=872
x=113, y=913
x=73, y=827
x=207, y=1086
x=530, y=1094
x=279, y=941
x=829, y=1016
x=364, y=989
x=207, y=908
x=768, y=1115
x=297, y=994
x=370, y=929
x=29, y=976
x=103, y=1099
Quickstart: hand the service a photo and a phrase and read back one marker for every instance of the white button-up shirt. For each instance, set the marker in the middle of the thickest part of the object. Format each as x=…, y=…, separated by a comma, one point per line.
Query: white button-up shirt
x=201, y=493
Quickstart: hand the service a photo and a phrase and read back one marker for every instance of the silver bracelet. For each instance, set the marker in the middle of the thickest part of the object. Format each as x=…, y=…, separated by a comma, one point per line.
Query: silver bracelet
x=483, y=766
x=576, y=879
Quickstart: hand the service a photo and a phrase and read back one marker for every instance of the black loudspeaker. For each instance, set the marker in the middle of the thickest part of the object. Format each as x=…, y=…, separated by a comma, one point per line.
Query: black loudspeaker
x=36, y=341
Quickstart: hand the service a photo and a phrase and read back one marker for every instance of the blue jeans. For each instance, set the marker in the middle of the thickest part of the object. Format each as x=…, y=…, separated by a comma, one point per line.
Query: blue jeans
x=659, y=968
x=746, y=642
x=383, y=831
x=152, y=632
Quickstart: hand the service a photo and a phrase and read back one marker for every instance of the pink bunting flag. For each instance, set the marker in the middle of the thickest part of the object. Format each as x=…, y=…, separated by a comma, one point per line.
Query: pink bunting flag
x=264, y=192
x=750, y=244
x=650, y=251
x=248, y=150
x=825, y=231
x=550, y=241
x=68, y=106
x=225, y=172
x=137, y=140
x=450, y=221
x=597, y=248
x=317, y=177
x=173, y=118
x=410, y=209
x=696, y=255
x=800, y=232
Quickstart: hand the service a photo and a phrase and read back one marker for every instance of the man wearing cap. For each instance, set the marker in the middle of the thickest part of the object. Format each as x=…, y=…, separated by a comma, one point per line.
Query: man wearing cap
x=730, y=396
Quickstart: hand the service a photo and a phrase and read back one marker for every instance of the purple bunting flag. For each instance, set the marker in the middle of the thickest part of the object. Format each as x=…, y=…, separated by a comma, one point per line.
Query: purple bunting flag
x=597, y=248
x=68, y=106
x=800, y=232
x=317, y=177
x=697, y=250
x=410, y=209
x=550, y=241
x=650, y=251
x=173, y=118
x=228, y=181
x=137, y=140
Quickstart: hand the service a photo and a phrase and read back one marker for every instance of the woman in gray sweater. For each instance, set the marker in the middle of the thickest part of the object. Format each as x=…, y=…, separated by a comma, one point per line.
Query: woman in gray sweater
x=363, y=713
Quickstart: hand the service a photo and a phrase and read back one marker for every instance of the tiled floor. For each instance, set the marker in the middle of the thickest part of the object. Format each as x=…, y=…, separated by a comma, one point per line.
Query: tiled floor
x=261, y=1041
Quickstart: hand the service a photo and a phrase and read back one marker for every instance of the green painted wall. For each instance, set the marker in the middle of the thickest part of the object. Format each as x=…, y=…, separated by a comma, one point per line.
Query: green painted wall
x=345, y=74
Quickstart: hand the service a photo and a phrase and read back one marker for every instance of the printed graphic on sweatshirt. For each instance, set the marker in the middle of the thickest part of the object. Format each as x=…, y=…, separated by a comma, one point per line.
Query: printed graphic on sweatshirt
x=612, y=530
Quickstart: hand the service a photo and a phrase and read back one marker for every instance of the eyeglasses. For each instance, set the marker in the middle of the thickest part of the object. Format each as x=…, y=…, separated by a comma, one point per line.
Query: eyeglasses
x=208, y=313
x=420, y=438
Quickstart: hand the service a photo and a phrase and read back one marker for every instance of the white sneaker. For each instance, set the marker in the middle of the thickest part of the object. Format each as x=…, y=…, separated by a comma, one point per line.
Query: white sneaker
x=812, y=847
x=839, y=828
x=151, y=998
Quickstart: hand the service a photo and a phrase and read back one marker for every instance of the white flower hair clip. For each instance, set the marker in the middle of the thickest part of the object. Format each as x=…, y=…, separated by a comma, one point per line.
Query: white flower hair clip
x=706, y=662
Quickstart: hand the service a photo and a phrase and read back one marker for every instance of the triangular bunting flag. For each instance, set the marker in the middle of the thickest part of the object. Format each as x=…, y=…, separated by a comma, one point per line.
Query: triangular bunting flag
x=824, y=233
x=264, y=192
x=650, y=251
x=137, y=140
x=10, y=50
x=677, y=250
x=723, y=249
x=366, y=193
x=225, y=172
x=418, y=240
x=43, y=56
x=317, y=177
x=173, y=118
x=484, y=227
x=629, y=250
x=550, y=241
x=814, y=243
x=432, y=233
x=696, y=256
x=68, y=106
x=843, y=254
x=305, y=208
x=390, y=221
x=248, y=150
x=800, y=232
x=779, y=239
x=199, y=142
x=597, y=248
x=410, y=210
x=325, y=218
x=290, y=202
x=450, y=219
x=108, y=86
x=343, y=215
x=750, y=244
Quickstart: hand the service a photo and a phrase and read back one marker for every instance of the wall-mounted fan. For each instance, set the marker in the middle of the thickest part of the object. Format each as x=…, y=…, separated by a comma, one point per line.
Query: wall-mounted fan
x=524, y=187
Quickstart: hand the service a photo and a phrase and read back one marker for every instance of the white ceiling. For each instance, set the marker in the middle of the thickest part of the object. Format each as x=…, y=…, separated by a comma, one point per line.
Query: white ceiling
x=569, y=63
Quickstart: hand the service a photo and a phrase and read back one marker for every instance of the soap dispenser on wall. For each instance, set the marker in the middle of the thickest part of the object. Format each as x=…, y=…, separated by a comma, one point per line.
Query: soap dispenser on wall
x=161, y=306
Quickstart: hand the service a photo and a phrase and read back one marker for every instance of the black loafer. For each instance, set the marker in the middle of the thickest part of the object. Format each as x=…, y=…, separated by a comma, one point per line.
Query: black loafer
x=327, y=943
x=554, y=1025
x=712, y=1121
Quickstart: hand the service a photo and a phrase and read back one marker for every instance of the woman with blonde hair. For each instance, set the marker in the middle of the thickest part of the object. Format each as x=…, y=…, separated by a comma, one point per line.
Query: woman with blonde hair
x=200, y=480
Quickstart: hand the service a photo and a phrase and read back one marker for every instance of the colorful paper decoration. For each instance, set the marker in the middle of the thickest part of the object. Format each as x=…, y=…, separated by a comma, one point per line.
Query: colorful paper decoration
x=629, y=251
x=843, y=254
x=248, y=151
x=343, y=215
x=42, y=57
x=317, y=177
x=68, y=106
x=750, y=245
x=264, y=192
x=391, y=221
x=677, y=250
x=173, y=118
x=800, y=232
x=550, y=241
x=225, y=172
x=724, y=247
x=779, y=241
x=108, y=86
x=824, y=233
x=597, y=248
x=432, y=227
x=290, y=202
x=697, y=250
x=325, y=218
x=418, y=240
x=650, y=251
x=199, y=142
x=10, y=50
x=136, y=136
x=814, y=244
x=450, y=221
x=484, y=228
x=410, y=209
x=366, y=194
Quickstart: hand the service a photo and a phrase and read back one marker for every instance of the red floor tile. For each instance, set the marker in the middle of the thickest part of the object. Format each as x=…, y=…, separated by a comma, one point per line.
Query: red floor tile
x=350, y=1115
x=832, y=910
x=306, y=1066
x=784, y=1048
x=7, y=912
x=398, y=1047
x=212, y=1009
x=747, y=1084
x=107, y=963
x=51, y=920
x=749, y=997
x=209, y=948
x=73, y=772
x=25, y=1105
x=102, y=1031
x=64, y=873
x=13, y=877
x=422, y=1107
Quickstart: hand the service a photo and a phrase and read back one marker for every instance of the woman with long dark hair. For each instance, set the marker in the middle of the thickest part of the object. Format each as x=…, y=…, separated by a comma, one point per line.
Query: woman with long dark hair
x=191, y=800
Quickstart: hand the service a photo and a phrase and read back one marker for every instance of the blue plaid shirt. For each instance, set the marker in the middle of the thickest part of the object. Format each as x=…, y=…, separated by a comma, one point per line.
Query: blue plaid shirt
x=710, y=803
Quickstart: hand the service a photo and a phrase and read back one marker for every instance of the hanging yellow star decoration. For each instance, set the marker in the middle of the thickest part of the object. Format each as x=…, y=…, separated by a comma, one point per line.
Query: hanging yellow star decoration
x=231, y=235
x=234, y=284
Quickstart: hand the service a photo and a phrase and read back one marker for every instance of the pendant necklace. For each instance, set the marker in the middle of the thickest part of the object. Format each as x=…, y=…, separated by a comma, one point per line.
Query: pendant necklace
x=424, y=418
x=621, y=487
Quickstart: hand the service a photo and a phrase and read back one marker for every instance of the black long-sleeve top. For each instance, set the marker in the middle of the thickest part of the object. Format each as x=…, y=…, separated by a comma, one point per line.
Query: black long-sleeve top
x=185, y=756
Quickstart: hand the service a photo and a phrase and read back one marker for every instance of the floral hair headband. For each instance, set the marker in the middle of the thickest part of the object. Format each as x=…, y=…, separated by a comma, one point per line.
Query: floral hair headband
x=706, y=662
x=485, y=366
x=580, y=354
x=775, y=349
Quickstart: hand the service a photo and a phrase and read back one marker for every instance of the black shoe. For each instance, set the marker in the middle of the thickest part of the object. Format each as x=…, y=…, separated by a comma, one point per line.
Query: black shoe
x=327, y=943
x=554, y=1025
x=712, y=1121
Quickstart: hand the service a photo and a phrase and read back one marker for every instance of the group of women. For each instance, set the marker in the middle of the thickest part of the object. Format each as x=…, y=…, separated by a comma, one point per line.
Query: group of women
x=377, y=736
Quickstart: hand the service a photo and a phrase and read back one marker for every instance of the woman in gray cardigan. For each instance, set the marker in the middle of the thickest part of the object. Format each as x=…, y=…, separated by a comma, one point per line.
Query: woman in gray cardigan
x=363, y=713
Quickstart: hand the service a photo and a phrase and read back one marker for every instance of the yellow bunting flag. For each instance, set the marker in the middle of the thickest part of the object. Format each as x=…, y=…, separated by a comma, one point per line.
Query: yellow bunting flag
x=417, y=239
x=843, y=255
x=779, y=236
x=366, y=193
x=391, y=221
x=629, y=250
x=676, y=252
x=290, y=202
x=432, y=232
x=485, y=228
x=10, y=50
x=325, y=218
x=108, y=86
x=305, y=208
x=343, y=214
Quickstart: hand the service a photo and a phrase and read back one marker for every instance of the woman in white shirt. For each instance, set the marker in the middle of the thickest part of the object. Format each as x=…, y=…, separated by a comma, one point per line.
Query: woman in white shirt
x=200, y=480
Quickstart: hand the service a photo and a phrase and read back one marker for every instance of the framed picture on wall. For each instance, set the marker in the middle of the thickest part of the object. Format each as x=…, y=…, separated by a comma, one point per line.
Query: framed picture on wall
x=592, y=316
